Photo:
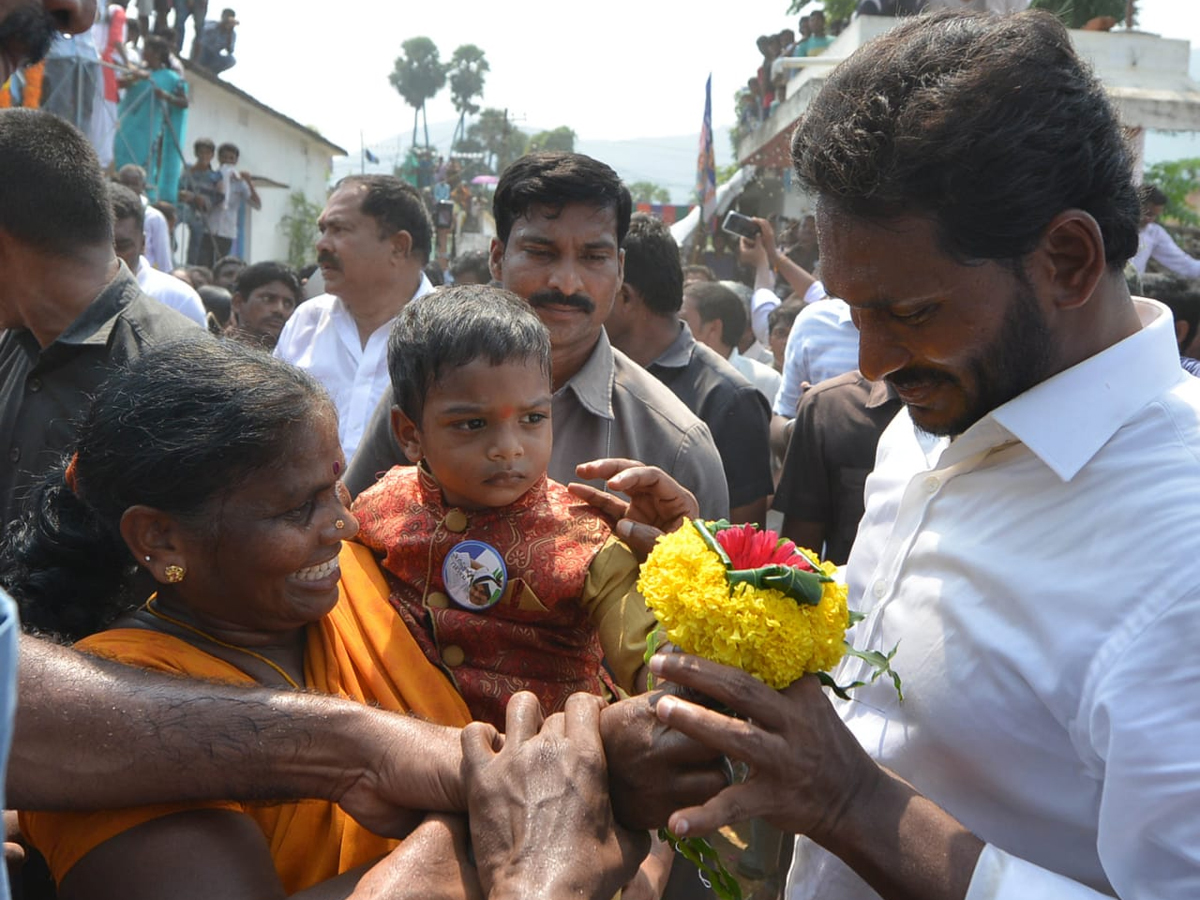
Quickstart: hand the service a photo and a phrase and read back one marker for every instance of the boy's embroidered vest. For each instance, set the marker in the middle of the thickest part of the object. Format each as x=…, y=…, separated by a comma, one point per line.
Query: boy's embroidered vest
x=537, y=637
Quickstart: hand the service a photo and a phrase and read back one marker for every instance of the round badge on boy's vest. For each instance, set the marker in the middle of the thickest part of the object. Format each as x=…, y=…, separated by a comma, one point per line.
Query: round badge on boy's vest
x=474, y=575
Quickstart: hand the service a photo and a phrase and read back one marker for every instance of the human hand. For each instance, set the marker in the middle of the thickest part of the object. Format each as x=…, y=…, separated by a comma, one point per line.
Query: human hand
x=766, y=238
x=653, y=874
x=658, y=503
x=806, y=768
x=654, y=770
x=751, y=252
x=541, y=821
x=432, y=862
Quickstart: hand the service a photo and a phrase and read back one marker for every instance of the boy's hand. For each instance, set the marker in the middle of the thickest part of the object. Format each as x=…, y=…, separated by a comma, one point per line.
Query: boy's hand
x=658, y=503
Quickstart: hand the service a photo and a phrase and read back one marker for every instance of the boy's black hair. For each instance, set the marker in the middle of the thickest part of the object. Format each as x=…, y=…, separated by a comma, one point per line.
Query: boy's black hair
x=455, y=326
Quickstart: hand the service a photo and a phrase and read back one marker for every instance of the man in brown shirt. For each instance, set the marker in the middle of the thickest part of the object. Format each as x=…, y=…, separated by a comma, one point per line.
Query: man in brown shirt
x=561, y=219
x=830, y=455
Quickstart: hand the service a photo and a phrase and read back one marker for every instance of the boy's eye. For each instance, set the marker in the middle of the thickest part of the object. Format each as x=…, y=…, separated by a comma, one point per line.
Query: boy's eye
x=471, y=424
x=536, y=418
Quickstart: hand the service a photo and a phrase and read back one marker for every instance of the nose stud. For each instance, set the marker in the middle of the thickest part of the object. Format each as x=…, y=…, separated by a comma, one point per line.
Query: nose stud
x=339, y=524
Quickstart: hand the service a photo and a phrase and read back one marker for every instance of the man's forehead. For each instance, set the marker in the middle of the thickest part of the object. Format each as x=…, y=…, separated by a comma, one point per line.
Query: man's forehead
x=590, y=222
x=344, y=203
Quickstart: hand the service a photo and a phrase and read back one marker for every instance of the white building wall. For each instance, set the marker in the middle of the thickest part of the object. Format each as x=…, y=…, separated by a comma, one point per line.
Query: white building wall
x=271, y=148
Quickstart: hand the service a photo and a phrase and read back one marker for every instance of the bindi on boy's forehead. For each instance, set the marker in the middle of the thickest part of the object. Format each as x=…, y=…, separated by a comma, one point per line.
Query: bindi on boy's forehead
x=337, y=467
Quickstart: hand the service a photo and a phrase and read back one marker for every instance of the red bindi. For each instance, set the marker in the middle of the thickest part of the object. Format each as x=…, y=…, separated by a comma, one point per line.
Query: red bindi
x=507, y=411
x=337, y=467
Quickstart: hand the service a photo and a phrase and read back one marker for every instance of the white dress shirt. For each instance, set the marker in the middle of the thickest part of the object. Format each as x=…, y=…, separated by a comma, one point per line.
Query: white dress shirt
x=1155, y=243
x=823, y=343
x=170, y=290
x=322, y=338
x=1041, y=577
x=158, y=238
x=758, y=374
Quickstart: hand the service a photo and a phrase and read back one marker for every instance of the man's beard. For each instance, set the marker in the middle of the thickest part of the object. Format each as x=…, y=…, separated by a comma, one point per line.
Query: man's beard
x=32, y=29
x=1018, y=358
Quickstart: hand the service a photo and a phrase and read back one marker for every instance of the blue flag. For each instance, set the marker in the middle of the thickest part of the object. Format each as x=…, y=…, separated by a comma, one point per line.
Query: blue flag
x=706, y=164
x=370, y=157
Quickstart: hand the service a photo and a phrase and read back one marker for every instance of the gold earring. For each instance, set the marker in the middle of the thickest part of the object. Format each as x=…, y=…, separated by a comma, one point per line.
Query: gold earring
x=339, y=524
x=174, y=574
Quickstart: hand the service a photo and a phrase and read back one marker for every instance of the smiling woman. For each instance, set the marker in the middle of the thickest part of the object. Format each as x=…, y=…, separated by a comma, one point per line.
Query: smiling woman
x=208, y=473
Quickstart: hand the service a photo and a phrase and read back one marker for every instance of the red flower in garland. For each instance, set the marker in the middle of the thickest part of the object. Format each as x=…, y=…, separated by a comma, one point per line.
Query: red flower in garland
x=750, y=548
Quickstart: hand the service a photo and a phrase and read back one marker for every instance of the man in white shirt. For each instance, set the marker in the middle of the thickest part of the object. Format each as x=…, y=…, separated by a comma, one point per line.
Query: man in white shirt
x=717, y=318
x=129, y=244
x=158, y=235
x=1154, y=242
x=375, y=241
x=1028, y=544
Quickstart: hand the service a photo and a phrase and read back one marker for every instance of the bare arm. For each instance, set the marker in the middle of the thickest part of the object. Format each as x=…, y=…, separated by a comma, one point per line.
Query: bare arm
x=94, y=734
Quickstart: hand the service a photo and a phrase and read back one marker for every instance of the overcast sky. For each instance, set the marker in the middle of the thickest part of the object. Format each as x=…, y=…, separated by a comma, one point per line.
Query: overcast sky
x=617, y=69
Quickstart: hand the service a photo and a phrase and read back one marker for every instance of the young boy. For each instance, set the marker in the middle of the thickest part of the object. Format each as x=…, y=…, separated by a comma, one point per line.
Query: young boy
x=507, y=581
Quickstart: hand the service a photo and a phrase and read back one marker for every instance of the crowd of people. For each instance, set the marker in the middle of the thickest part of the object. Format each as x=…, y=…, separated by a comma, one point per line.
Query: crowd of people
x=353, y=583
x=123, y=82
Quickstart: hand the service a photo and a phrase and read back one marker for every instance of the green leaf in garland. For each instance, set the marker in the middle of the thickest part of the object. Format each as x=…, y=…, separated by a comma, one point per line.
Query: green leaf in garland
x=801, y=586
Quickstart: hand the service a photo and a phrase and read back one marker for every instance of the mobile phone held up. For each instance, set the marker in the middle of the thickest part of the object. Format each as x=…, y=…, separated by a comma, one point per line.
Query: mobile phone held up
x=742, y=226
x=444, y=215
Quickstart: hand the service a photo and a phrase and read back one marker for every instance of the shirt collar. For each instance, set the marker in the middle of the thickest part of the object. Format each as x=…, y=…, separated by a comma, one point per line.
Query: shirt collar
x=679, y=354
x=1067, y=418
x=881, y=393
x=95, y=324
x=592, y=385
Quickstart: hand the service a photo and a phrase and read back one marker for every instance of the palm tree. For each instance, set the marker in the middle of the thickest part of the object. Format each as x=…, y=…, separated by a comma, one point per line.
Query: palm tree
x=467, y=70
x=418, y=76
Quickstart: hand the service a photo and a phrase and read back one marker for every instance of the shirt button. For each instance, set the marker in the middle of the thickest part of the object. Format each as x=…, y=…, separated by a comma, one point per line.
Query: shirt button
x=14, y=455
x=34, y=384
x=456, y=521
x=453, y=655
x=879, y=589
x=932, y=483
x=437, y=600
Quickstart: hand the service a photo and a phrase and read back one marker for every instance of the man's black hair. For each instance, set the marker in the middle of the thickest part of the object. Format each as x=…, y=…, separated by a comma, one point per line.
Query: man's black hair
x=473, y=262
x=126, y=205
x=554, y=180
x=1181, y=296
x=52, y=193
x=231, y=147
x=715, y=301
x=251, y=278
x=204, y=142
x=1152, y=195
x=990, y=126
x=652, y=264
x=397, y=206
x=454, y=326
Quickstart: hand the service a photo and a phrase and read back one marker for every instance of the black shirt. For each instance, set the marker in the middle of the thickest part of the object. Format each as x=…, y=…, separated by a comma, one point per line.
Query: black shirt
x=44, y=391
x=733, y=409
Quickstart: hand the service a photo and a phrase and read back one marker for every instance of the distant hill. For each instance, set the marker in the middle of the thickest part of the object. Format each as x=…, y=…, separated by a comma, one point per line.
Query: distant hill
x=667, y=161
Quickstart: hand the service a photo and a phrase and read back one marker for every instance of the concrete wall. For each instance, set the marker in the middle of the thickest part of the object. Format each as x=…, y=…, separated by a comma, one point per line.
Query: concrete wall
x=271, y=147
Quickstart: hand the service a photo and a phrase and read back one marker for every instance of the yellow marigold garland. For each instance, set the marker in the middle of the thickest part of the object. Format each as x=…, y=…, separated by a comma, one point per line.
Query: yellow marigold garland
x=760, y=630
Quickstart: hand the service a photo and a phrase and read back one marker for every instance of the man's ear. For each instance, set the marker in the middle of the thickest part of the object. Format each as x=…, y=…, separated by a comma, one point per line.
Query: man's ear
x=157, y=540
x=407, y=435
x=402, y=243
x=1068, y=261
x=496, y=259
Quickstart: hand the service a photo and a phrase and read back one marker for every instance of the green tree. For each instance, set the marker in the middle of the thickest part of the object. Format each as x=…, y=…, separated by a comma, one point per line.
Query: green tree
x=467, y=70
x=1077, y=13
x=1177, y=179
x=501, y=140
x=649, y=192
x=299, y=226
x=561, y=139
x=418, y=75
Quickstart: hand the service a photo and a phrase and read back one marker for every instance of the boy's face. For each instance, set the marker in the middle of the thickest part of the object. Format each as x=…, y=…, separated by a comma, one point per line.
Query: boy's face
x=485, y=432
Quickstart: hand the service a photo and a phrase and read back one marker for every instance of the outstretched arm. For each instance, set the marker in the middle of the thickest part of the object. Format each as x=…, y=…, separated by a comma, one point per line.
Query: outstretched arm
x=94, y=734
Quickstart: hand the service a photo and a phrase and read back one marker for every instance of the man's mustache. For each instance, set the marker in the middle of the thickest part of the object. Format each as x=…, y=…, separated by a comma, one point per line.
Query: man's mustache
x=916, y=377
x=329, y=259
x=552, y=297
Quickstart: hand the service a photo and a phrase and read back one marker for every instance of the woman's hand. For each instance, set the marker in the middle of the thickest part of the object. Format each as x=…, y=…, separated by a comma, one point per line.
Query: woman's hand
x=432, y=863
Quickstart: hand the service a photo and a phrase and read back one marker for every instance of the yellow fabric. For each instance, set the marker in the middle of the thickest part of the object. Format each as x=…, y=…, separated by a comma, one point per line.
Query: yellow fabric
x=618, y=611
x=360, y=651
